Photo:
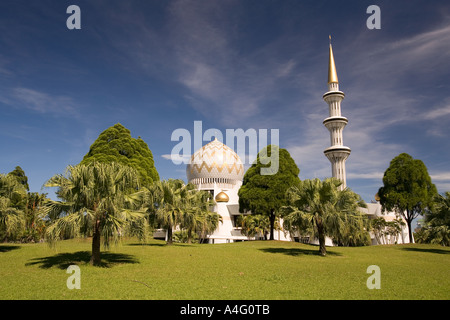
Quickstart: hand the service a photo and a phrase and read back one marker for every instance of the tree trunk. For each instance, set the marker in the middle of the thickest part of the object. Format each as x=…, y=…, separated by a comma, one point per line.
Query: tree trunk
x=409, y=218
x=95, y=258
x=272, y=223
x=189, y=236
x=321, y=232
x=411, y=240
x=169, y=235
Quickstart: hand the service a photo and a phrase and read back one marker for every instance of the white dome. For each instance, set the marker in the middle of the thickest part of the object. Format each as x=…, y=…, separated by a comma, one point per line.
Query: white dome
x=215, y=163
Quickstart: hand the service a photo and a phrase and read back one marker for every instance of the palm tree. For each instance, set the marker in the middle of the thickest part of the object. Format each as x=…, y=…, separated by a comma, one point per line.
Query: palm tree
x=197, y=215
x=98, y=199
x=322, y=205
x=378, y=225
x=394, y=228
x=12, y=199
x=208, y=222
x=255, y=224
x=170, y=197
x=35, y=226
x=355, y=224
x=437, y=228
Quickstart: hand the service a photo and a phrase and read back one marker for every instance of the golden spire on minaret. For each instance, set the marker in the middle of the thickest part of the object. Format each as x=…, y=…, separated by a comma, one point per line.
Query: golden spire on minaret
x=332, y=74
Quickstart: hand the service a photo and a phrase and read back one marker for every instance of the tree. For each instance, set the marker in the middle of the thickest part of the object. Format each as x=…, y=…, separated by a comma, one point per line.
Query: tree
x=378, y=225
x=207, y=223
x=255, y=224
x=98, y=200
x=115, y=144
x=20, y=209
x=266, y=193
x=12, y=200
x=35, y=225
x=197, y=216
x=329, y=210
x=382, y=228
x=407, y=189
x=170, y=197
x=437, y=228
x=19, y=174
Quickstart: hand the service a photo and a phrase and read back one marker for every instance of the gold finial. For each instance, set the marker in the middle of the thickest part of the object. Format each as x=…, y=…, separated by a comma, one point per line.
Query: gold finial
x=332, y=74
x=222, y=197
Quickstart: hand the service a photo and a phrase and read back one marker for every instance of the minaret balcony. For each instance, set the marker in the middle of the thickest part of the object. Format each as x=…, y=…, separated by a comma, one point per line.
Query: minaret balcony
x=337, y=150
x=335, y=120
x=330, y=94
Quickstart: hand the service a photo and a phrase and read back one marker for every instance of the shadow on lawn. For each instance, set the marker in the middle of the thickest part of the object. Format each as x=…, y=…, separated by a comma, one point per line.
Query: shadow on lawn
x=6, y=248
x=64, y=260
x=429, y=250
x=175, y=244
x=298, y=251
x=147, y=244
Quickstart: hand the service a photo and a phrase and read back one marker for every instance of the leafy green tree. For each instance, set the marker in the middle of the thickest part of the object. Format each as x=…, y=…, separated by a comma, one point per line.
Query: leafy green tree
x=115, y=144
x=329, y=210
x=21, y=177
x=98, y=200
x=407, y=189
x=266, y=193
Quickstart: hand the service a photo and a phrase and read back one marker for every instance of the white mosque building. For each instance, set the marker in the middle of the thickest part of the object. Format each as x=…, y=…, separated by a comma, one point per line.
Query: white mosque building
x=217, y=168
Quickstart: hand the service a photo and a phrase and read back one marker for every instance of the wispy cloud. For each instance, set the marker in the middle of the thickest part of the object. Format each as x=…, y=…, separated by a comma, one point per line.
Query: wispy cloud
x=441, y=179
x=177, y=158
x=438, y=113
x=41, y=102
x=220, y=80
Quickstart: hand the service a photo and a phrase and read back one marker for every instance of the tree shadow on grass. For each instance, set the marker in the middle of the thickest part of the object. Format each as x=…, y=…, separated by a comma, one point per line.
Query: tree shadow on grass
x=429, y=250
x=174, y=244
x=147, y=244
x=6, y=248
x=64, y=260
x=298, y=251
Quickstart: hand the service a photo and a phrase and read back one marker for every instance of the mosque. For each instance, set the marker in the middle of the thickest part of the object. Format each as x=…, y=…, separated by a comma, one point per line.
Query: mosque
x=218, y=169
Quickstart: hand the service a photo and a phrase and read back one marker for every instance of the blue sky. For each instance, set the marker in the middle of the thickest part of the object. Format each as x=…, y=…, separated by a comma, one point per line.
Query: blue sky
x=156, y=66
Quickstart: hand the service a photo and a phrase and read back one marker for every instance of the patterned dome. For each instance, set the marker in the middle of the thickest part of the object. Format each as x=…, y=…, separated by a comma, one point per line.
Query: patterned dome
x=215, y=163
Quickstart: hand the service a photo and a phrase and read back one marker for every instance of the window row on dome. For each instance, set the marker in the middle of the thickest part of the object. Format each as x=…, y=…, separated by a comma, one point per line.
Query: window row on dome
x=198, y=181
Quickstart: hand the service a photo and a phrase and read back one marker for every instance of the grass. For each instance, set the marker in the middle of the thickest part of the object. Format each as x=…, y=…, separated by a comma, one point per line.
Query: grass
x=240, y=271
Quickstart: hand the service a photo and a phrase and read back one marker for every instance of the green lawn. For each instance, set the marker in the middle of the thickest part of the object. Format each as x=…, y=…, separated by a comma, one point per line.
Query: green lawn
x=249, y=270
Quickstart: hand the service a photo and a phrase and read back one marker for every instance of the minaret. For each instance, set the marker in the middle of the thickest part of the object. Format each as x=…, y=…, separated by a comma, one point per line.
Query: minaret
x=335, y=123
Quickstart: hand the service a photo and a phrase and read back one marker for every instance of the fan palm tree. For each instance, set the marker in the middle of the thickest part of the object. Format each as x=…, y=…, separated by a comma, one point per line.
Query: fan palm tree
x=197, y=215
x=378, y=226
x=98, y=199
x=255, y=224
x=208, y=222
x=12, y=199
x=322, y=205
x=170, y=197
x=35, y=226
x=437, y=228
